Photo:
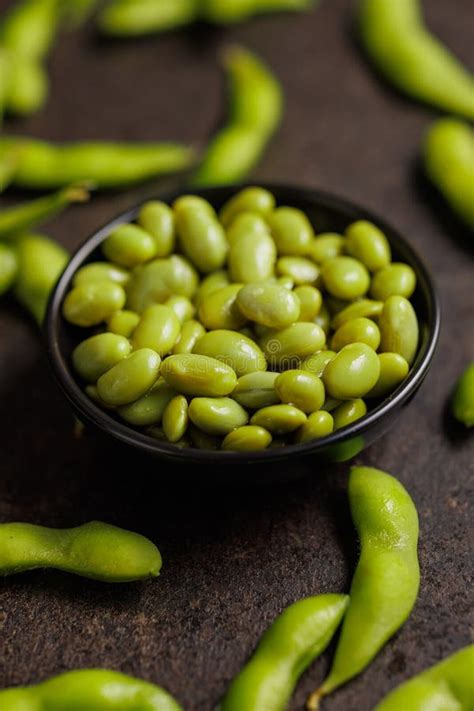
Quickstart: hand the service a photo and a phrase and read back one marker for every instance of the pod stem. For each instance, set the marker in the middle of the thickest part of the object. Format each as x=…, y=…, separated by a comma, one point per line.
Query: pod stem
x=312, y=704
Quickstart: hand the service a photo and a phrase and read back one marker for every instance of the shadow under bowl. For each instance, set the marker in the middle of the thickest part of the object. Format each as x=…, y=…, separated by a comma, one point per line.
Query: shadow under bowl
x=327, y=214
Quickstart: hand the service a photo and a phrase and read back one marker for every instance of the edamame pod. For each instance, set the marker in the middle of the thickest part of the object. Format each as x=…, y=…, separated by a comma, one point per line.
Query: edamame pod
x=446, y=686
x=28, y=86
x=40, y=264
x=22, y=218
x=385, y=585
x=89, y=690
x=401, y=47
x=44, y=165
x=463, y=398
x=255, y=112
x=8, y=268
x=293, y=641
x=29, y=28
x=94, y=550
x=198, y=375
x=232, y=11
x=129, y=18
x=448, y=155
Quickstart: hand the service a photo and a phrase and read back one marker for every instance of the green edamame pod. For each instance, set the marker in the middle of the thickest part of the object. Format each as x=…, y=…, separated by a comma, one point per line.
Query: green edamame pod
x=76, y=12
x=44, y=165
x=129, y=18
x=5, y=68
x=448, y=154
x=255, y=112
x=40, y=264
x=395, y=37
x=385, y=585
x=446, y=686
x=294, y=640
x=89, y=690
x=28, y=86
x=30, y=27
x=94, y=550
x=232, y=11
x=8, y=268
x=22, y=218
x=463, y=398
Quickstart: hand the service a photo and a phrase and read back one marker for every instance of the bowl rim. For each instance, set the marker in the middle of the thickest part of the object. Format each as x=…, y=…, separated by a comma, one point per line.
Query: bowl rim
x=90, y=412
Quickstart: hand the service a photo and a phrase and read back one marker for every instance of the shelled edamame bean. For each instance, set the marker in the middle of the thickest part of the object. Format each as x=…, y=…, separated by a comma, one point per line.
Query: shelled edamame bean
x=209, y=341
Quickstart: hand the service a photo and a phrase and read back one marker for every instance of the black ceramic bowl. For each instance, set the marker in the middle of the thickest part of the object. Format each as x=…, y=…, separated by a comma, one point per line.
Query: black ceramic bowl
x=327, y=213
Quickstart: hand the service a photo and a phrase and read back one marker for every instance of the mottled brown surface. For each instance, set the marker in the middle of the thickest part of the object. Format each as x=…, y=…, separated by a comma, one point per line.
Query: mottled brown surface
x=234, y=559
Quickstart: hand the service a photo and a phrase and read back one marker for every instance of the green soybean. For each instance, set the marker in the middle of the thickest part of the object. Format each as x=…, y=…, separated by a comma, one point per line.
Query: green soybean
x=293, y=641
x=158, y=329
x=25, y=217
x=323, y=319
x=364, y=308
x=345, y=277
x=268, y=304
x=234, y=349
x=357, y=330
x=200, y=234
x=401, y=47
x=217, y=416
x=253, y=199
x=129, y=379
x=279, y=419
x=255, y=112
x=399, y=329
x=157, y=281
x=129, y=245
x=448, y=157
x=211, y=283
x=291, y=230
x=27, y=86
x=240, y=10
x=310, y=300
x=300, y=269
x=150, y=408
x=300, y=388
x=397, y=279
x=158, y=220
x=129, y=18
x=296, y=341
x=319, y=424
x=316, y=362
x=252, y=258
x=463, y=398
x=248, y=438
x=366, y=242
x=97, y=354
x=219, y=309
x=8, y=268
x=348, y=412
x=326, y=246
x=94, y=550
x=445, y=686
x=385, y=585
x=175, y=419
x=43, y=165
x=352, y=372
x=123, y=322
x=182, y=307
x=245, y=223
x=393, y=371
x=191, y=332
x=198, y=375
x=256, y=390
x=40, y=264
x=91, y=303
x=101, y=271
x=89, y=690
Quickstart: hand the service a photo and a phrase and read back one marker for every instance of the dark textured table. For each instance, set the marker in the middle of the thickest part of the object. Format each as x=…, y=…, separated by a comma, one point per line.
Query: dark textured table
x=234, y=559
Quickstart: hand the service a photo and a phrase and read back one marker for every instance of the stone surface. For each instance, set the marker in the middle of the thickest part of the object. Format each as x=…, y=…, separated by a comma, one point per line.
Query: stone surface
x=234, y=559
